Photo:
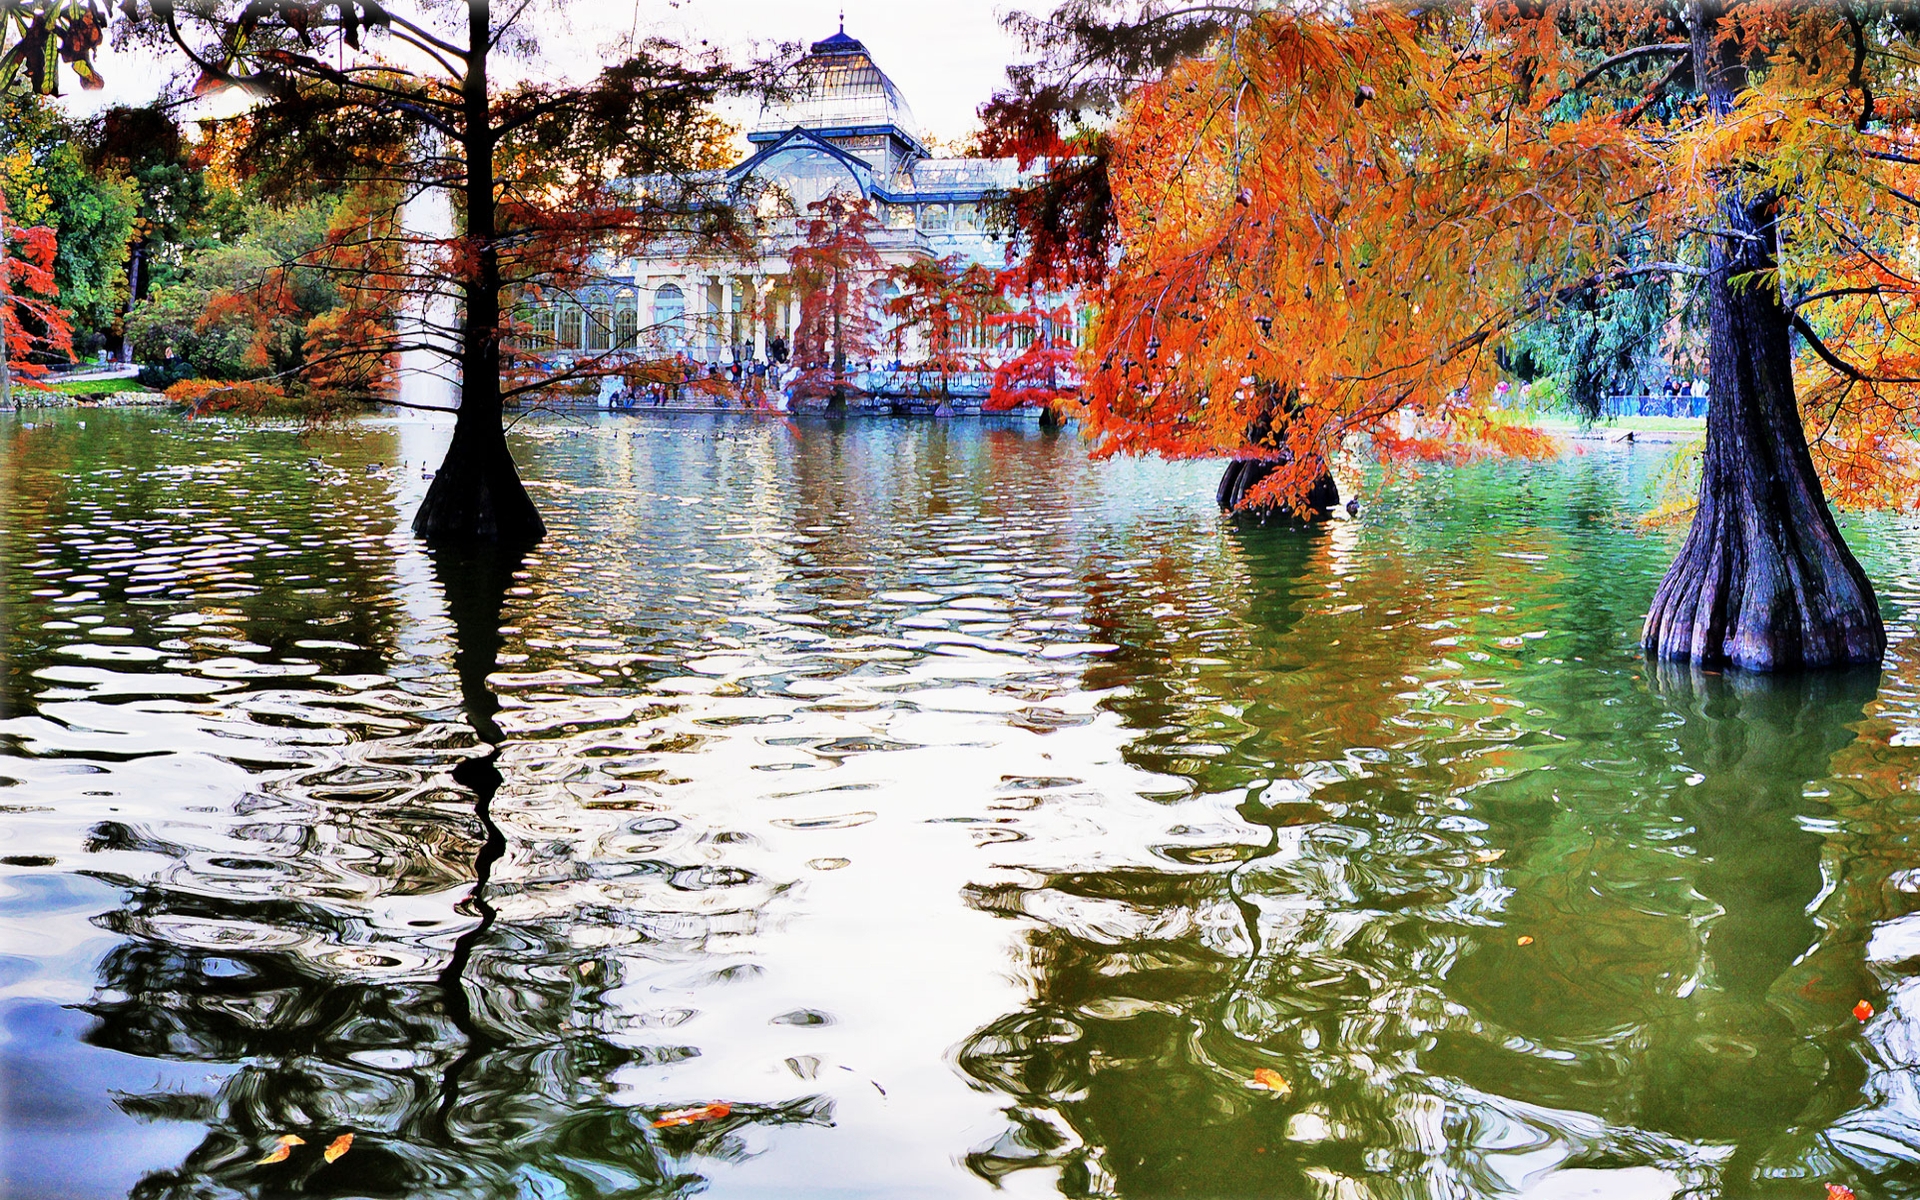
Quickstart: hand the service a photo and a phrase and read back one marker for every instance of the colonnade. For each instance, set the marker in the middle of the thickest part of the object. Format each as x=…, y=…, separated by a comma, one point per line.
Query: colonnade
x=712, y=317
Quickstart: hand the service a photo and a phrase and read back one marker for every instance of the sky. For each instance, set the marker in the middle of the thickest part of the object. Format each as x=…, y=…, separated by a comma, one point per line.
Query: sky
x=947, y=56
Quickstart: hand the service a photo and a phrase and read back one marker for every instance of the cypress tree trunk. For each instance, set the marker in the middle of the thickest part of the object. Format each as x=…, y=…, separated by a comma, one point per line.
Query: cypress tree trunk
x=477, y=496
x=1242, y=474
x=1764, y=581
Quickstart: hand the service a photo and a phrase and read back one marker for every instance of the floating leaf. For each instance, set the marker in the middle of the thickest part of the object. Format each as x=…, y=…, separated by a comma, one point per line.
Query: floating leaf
x=1487, y=856
x=687, y=1116
x=282, y=1146
x=1863, y=1011
x=1524, y=940
x=338, y=1147
x=1839, y=1191
x=1266, y=1079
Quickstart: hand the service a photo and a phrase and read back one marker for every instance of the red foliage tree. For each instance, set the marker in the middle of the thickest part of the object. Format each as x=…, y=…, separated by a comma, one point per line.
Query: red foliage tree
x=1045, y=373
x=33, y=326
x=942, y=316
x=831, y=271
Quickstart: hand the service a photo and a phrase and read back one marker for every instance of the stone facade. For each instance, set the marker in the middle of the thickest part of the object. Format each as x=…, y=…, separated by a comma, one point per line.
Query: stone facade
x=843, y=125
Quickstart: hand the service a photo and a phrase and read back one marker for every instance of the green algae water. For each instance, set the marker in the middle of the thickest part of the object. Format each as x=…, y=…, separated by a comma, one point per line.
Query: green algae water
x=918, y=809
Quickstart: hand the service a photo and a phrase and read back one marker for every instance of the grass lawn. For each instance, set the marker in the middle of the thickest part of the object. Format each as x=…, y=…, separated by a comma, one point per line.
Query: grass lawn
x=98, y=387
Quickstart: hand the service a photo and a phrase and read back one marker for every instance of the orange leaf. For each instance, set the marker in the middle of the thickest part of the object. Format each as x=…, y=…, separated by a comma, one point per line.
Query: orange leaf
x=1839, y=1191
x=282, y=1146
x=1266, y=1079
x=1524, y=940
x=687, y=1116
x=1863, y=1011
x=338, y=1147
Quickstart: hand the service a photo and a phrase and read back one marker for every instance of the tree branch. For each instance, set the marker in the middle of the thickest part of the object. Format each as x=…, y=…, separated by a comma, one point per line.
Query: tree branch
x=1839, y=364
x=1627, y=56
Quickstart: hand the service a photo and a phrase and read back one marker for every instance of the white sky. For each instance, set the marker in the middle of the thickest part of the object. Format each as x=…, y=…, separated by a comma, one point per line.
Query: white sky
x=947, y=56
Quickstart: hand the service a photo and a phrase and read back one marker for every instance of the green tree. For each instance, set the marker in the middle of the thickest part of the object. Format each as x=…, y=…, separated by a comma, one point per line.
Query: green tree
x=1600, y=341
x=185, y=319
x=179, y=206
x=47, y=182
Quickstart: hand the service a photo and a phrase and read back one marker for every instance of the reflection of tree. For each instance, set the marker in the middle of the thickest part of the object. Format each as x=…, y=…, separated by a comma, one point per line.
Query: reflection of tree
x=1657, y=852
x=158, y=524
x=469, y=1058
x=1685, y=989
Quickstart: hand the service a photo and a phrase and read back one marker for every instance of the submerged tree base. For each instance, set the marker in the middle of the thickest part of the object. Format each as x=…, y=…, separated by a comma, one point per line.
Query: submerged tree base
x=1764, y=582
x=1244, y=474
x=477, y=496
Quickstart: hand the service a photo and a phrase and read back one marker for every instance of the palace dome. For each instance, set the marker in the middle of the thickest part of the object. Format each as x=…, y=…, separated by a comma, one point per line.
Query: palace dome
x=837, y=86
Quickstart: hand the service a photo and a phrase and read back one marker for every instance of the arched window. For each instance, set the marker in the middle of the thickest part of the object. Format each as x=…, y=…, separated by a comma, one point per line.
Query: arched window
x=966, y=218
x=599, y=322
x=669, y=305
x=626, y=320
x=933, y=218
x=568, y=338
x=539, y=320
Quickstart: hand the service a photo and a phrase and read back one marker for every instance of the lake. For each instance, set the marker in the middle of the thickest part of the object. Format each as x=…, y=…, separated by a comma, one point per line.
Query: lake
x=919, y=809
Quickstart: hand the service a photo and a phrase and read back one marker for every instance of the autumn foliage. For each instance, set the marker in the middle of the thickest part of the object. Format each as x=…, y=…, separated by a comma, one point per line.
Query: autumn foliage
x=1045, y=374
x=1326, y=223
x=942, y=313
x=33, y=326
x=833, y=269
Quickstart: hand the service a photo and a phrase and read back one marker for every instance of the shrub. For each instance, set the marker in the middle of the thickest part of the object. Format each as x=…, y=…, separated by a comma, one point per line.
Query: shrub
x=204, y=396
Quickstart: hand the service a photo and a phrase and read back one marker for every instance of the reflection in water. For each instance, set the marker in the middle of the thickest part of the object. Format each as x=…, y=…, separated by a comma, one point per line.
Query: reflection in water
x=1606, y=960
x=950, y=808
x=475, y=580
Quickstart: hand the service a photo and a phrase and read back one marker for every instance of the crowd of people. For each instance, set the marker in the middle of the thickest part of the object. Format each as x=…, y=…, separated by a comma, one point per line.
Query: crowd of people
x=747, y=383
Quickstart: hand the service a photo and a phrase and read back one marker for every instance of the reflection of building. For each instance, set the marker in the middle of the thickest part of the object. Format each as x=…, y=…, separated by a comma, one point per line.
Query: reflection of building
x=840, y=125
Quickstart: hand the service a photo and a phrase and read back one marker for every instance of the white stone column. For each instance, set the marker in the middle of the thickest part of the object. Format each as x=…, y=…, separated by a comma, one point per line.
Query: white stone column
x=692, y=310
x=726, y=317
x=759, y=317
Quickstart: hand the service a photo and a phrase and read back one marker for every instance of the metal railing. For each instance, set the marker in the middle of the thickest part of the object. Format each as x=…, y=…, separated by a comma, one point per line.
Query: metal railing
x=1684, y=405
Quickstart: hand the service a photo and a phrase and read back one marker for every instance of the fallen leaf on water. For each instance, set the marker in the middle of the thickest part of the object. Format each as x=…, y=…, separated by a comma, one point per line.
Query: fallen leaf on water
x=1266, y=1079
x=687, y=1116
x=282, y=1146
x=1487, y=856
x=1839, y=1191
x=1863, y=1011
x=1525, y=940
x=337, y=1147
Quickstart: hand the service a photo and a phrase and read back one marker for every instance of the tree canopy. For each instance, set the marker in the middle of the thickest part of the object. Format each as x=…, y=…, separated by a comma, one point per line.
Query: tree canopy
x=1361, y=205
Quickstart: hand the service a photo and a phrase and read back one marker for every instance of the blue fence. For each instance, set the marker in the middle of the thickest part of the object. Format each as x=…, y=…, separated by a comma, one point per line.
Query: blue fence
x=1654, y=406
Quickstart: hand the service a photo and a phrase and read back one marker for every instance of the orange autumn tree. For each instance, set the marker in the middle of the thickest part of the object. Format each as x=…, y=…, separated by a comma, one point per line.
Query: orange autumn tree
x=33, y=326
x=540, y=172
x=1328, y=221
x=942, y=316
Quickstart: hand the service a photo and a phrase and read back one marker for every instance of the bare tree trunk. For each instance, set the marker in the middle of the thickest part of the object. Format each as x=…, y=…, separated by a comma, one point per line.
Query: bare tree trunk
x=1764, y=581
x=477, y=495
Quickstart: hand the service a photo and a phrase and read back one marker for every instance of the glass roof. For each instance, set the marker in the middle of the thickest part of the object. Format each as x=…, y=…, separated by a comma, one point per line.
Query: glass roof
x=837, y=84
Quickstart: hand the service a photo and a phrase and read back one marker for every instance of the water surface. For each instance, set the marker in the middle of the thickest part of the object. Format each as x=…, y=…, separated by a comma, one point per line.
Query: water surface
x=959, y=813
